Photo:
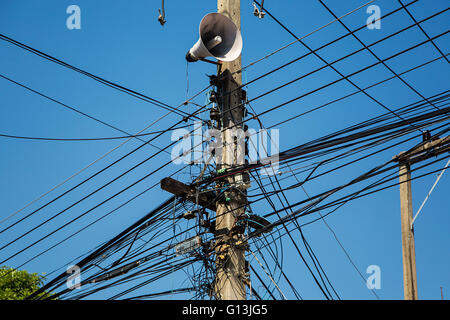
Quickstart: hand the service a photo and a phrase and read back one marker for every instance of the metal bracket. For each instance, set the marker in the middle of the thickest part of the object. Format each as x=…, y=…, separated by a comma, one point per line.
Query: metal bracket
x=218, y=63
x=258, y=12
x=162, y=16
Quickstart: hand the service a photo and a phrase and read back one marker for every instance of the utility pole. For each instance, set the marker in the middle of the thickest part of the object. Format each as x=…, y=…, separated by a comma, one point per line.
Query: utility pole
x=230, y=250
x=408, y=245
x=425, y=151
x=229, y=199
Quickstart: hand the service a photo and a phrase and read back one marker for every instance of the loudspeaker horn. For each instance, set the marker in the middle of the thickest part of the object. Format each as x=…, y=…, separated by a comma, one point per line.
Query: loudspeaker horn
x=219, y=38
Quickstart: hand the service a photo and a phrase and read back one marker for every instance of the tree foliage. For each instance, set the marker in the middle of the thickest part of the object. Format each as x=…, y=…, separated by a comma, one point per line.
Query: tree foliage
x=18, y=284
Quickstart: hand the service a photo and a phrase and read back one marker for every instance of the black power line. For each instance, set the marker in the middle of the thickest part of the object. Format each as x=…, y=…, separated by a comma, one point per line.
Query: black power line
x=110, y=84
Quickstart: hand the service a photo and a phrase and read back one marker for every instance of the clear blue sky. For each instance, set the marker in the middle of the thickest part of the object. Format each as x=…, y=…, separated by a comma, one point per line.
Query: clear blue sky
x=122, y=41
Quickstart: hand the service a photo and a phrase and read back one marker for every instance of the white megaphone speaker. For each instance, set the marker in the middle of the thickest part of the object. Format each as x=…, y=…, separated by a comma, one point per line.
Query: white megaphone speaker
x=219, y=38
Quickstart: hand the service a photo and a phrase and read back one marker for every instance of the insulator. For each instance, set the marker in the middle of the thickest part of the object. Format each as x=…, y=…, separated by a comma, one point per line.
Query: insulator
x=213, y=96
x=245, y=177
x=243, y=95
x=214, y=114
x=426, y=136
x=213, y=80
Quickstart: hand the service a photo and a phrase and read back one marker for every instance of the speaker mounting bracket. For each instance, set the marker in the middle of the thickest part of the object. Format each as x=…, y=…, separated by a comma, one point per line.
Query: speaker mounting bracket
x=210, y=61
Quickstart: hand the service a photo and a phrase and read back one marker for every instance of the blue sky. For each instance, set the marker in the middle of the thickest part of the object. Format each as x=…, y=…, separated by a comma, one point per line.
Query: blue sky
x=123, y=42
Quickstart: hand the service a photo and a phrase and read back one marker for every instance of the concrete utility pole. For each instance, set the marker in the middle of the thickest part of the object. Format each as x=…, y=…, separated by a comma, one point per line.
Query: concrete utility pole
x=425, y=151
x=230, y=249
x=408, y=246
